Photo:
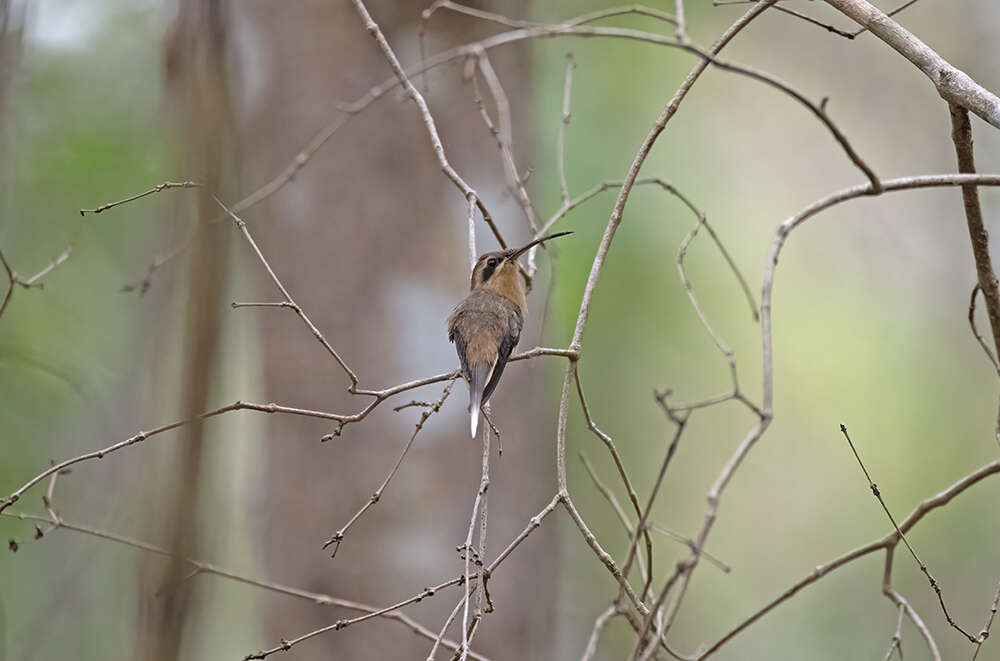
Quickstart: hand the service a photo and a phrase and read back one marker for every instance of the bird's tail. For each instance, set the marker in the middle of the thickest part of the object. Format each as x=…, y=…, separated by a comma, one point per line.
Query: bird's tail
x=479, y=376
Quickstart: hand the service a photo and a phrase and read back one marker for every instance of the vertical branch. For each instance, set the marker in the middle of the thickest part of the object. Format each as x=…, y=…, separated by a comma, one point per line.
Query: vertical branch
x=468, y=629
x=471, y=217
x=900, y=602
x=681, y=30
x=505, y=139
x=961, y=135
x=11, y=282
x=561, y=135
x=481, y=552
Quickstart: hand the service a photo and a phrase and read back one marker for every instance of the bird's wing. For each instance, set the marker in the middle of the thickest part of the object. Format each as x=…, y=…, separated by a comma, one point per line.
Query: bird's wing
x=485, y=330
x=507, y=343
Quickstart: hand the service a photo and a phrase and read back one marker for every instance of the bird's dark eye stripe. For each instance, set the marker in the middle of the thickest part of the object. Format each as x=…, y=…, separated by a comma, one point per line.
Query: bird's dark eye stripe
x=491, y=265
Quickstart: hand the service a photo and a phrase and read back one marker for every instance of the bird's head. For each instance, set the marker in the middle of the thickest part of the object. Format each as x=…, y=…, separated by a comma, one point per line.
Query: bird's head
x=498, y=271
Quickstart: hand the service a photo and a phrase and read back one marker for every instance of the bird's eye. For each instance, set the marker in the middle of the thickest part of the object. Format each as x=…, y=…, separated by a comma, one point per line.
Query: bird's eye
x=491, y=262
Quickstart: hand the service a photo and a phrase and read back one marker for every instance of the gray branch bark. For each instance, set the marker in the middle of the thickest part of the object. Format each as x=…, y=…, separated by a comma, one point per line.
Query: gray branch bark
x=953, y=84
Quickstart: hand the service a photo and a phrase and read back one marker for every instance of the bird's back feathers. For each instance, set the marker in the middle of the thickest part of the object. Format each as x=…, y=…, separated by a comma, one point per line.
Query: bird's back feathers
x=485, y=328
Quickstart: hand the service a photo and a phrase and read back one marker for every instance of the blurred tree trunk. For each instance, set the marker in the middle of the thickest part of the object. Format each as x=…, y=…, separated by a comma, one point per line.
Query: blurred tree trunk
x=198, y=96
x=370, y=239
x=11, y=35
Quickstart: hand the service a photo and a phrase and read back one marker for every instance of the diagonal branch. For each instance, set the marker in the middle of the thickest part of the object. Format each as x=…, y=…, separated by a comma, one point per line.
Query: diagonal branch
x=425, y=113
x=954, y=85
x=200, y=567
x=909, y=547
x=888, y=542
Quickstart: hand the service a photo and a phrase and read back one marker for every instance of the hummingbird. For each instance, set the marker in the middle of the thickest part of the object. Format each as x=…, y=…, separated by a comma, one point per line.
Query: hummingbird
x=486, y=325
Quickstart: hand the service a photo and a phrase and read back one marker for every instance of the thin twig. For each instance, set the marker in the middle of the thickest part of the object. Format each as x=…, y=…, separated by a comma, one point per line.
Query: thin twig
x=900, y=602
x=572, y=27
x=596, y=268
x=505, y=139
x=985, y=632
x=431, y=409
x=201, y=567
x=15, y=280
x=425, y=113
x=444, y=629
x=343, y=419
x=242, y=226
x=688, y=542
x=286, y=645
x=623, y=518
x=132, y=198
x=896, y=644
x=975, y=331
x=619, y=464
x=681, y=424
x=909, y=547
x=961, y=134
x=563, y=125
x=480, y=501
x=888, y=543
x=595, y=633
x=810, y=19
x=533, y=524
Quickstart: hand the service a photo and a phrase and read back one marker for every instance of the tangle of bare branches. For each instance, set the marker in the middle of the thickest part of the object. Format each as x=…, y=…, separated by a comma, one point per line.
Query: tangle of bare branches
x=648, y=600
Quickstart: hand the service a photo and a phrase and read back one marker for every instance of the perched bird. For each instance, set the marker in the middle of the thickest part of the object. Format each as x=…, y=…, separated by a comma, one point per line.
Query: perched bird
x=486, y=325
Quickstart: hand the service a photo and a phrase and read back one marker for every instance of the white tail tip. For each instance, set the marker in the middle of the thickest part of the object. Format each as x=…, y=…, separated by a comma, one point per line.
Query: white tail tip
x=475, y=421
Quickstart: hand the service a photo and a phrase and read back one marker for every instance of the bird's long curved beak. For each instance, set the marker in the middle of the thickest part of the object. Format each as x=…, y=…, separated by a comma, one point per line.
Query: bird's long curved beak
x=523, y=249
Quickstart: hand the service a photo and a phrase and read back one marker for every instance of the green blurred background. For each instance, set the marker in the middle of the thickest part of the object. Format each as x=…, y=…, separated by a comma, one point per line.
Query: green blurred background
x=870, y=330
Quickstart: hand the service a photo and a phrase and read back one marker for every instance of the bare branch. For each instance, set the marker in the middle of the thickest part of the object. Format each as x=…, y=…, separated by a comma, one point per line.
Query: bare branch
x=533, y=524
x=954, y=85
x=961, y=135
x=343, y=419
x=623, y=518
x=810, y=19
x=985, y=633
x=891, y=13
x=781, y=236
x=561, y=134
x=688, y=542
x=444, y=629
x=15, y=280
x=201, y=567
x=468, y=630
x=286, y=645
x=909, y=547
x=241, y=224
x=505, y=139
x=429, y=124
x=431, y=409
x=900, y=602
x=975, y=331
x=644, y=519
x=681, y=31
x=155, y=189
x=888, y=542
x=595, y=633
